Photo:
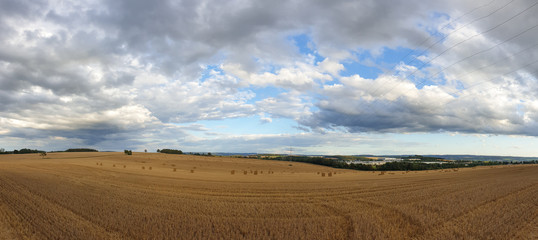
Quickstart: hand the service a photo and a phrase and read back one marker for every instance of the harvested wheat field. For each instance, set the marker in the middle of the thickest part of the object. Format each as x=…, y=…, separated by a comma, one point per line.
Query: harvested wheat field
x=159, y=196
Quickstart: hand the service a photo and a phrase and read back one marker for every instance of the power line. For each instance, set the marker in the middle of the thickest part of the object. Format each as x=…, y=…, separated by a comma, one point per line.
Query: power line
x=482, y=82
x=445, y=26
x=374, y=92
x=465, y=25
x=454, y=31
x=498, y=61
x=364, y=116
x=448, y=24
x=480, y=52
x=478, y=34
x=465, y=40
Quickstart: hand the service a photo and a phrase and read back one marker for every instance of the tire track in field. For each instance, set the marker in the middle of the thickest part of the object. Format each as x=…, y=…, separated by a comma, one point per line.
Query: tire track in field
x=39, y=217
x=349, y=228
x=458, y=224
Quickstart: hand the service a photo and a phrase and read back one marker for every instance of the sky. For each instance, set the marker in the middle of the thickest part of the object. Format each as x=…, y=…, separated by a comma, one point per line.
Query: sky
x=300, y=77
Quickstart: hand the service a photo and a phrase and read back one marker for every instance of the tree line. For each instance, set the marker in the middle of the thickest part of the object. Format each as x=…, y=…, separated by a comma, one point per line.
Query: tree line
x=393, y=166
x=21, y=151
x=169, y=151
x=27, y=150
x=81, y=150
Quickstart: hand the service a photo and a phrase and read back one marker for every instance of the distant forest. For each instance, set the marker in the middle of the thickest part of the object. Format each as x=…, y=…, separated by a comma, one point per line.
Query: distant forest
x=21, y=151
x=403, y=165
x=170, y=151
x=26, y=150
x=81, y=150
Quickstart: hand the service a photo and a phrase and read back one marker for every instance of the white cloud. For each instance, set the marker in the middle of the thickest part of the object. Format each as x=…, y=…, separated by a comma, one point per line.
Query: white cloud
x=291, y=105
x=332, y=67
x=215, y=98
x=300, y=76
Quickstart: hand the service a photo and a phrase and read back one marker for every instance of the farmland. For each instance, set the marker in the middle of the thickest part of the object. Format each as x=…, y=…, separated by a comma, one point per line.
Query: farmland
x=160, y=196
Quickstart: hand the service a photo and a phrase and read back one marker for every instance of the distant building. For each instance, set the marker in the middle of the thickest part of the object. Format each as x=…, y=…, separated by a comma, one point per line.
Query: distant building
x=389, y=159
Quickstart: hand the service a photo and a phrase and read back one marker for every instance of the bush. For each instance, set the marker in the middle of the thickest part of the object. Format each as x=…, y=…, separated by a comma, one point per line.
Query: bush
x=81, y=150
x=171, y=151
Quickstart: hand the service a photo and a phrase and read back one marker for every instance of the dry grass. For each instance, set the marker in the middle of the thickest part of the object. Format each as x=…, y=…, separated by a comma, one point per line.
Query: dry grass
x=67, y=196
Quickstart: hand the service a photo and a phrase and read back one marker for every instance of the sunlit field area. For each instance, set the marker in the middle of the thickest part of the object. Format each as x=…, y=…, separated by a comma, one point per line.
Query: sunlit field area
x=161, y=196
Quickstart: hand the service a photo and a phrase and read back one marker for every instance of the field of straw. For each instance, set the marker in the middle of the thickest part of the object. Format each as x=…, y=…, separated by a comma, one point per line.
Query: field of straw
x=159, y=196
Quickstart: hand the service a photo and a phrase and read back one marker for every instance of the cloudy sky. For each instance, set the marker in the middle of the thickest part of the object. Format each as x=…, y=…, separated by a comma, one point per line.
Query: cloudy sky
x=319, y=77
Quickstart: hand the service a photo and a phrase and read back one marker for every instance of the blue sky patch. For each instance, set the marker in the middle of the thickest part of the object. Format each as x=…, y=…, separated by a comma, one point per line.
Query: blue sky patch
x=208, y=72
x=306, y=46
x=353, y=68
x=400, y=54
x=368, y=66
x=264, y=92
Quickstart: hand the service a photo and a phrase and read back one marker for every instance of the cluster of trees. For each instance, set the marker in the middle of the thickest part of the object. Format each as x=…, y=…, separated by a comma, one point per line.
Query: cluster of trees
x=201, y=154
x=169, y=151
x=128, y=152
x=21, y=151
x=81, y=150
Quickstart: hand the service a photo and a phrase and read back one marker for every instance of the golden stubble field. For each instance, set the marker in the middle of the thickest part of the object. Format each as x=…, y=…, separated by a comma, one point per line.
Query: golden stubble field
x=159, y=196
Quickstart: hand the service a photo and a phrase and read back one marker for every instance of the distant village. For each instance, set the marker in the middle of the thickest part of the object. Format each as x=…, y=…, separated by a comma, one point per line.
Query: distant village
x=383, y=160
x=368, y=160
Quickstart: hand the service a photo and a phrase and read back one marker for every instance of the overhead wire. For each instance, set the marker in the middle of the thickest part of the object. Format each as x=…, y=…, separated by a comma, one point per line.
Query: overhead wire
x=445, y=26
x=463, y=41
x=479, y=52
x=463, y=59
x=452, y=32
x=497, y=62
x=489, y=80
x=465, y=25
